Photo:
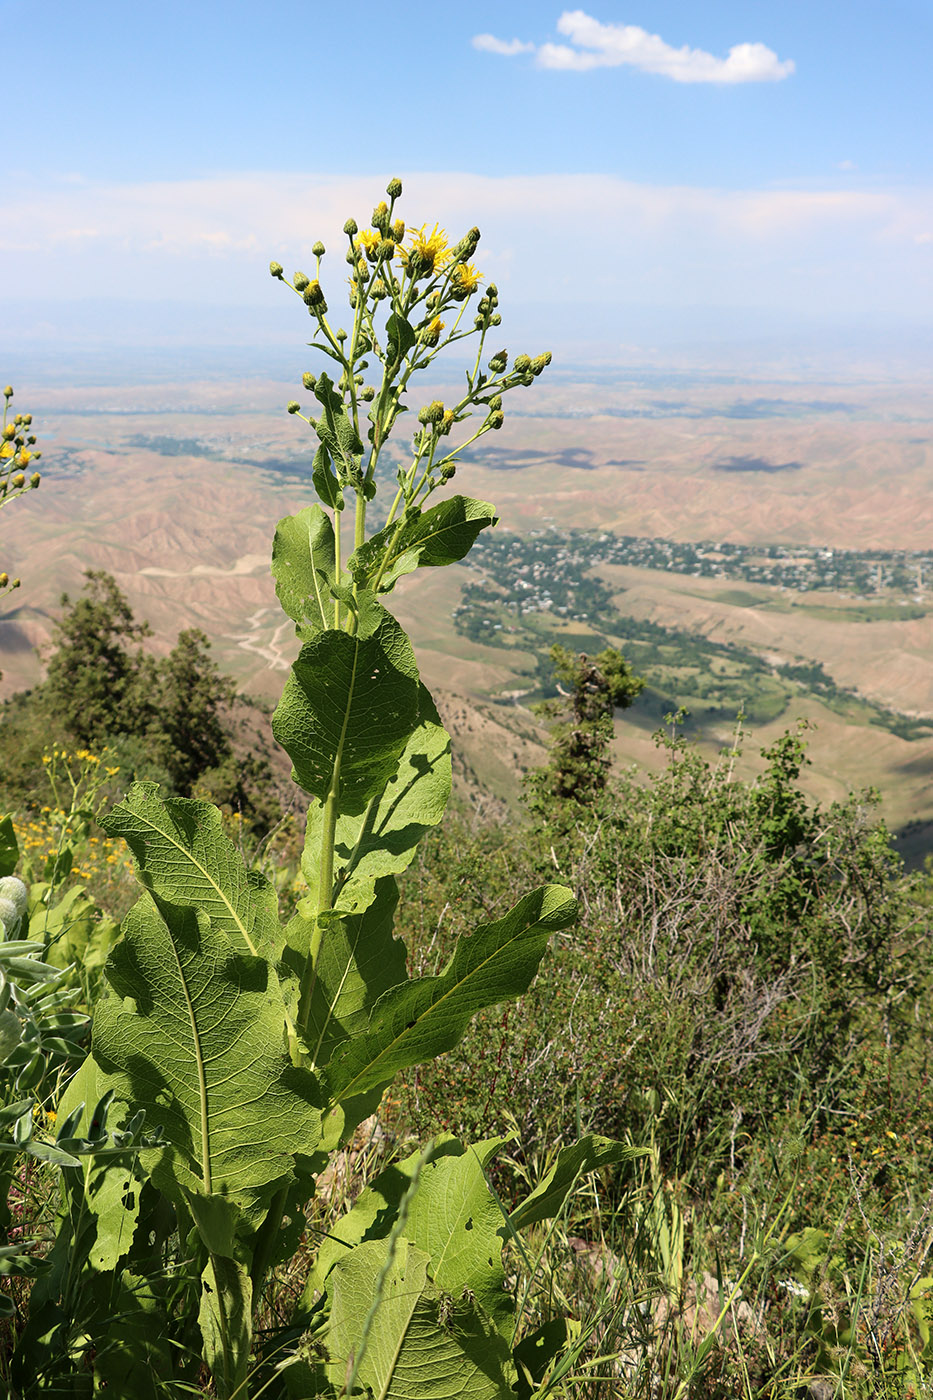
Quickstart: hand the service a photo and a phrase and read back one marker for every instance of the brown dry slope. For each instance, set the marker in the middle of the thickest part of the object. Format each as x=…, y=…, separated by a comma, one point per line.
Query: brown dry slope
x=188, y=537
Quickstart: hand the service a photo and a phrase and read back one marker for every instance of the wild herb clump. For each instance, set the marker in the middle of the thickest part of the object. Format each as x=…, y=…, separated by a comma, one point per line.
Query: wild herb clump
x=234, y=1056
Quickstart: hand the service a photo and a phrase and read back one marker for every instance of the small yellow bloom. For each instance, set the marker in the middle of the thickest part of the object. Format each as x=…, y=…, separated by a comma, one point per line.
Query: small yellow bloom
x=429, y=249
x=368, y=240
x=465, y=278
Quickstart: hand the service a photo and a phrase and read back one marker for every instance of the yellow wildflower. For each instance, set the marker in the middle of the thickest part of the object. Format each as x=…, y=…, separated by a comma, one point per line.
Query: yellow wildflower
x=429, y=251
x=368, y=239
x=465, y=279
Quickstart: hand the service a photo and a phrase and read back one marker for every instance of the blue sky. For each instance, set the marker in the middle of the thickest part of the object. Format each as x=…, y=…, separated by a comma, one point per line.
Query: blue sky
x=631, y=178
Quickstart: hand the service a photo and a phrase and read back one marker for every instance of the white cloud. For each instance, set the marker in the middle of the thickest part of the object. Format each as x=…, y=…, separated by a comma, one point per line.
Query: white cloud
x=596, y=45
x=507, y=47
x=813, y=252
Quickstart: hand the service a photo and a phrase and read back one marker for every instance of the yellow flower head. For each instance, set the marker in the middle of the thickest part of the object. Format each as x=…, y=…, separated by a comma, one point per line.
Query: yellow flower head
x=465, y=279
x=427, y=253
x=368, y=240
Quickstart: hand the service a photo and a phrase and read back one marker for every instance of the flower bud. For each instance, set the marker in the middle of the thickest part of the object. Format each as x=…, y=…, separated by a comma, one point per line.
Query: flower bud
x=350, y=256
x=340, y=335
x=495, y=420
x=294, y=407
x=4, y=580
x=301, y=281
x=448, y=470
x=499, y=360
x=431, y=413
x=386, y=249
x=398, y=230
x=493, y=291
x=276, y=269
x=351, y=228
x=540, y=362
x=495, y=320
x=495, y=402
x=34, y=480
x=378, y=291
x=308, y=380
x=368, y=394
x=8, y=391
x=394, y=188
x=19, y=480
x=314, y=297
x=380, y=219
x=9, y=432
x=522, y=363
x=318, y=249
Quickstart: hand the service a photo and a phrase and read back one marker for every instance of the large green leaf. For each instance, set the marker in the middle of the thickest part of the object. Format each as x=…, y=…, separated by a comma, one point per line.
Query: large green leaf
x=422, y=1344
x=194, y=1035
x=436, y=537
x=424, y=1018
x=349, y=709
x=587, y=1155
x=359, y=961
x=304, y=569
x=225, y=1320
x=453, y=1217
x=383, y=838
x=184, y=859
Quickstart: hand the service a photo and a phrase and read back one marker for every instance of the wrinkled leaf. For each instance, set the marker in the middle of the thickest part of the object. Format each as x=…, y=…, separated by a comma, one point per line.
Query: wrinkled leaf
x=194, y=1035
x=349, y=709
x=184, y=859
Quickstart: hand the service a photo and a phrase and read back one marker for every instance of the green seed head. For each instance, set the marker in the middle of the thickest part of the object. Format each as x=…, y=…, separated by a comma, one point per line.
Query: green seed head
x=394, y=188
x=275, y=268
x=308, y=380
x=368, y=394
x=318, y=249
x=294, y=407
x=301, y=281
x=432, y=413
x=351, y=228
